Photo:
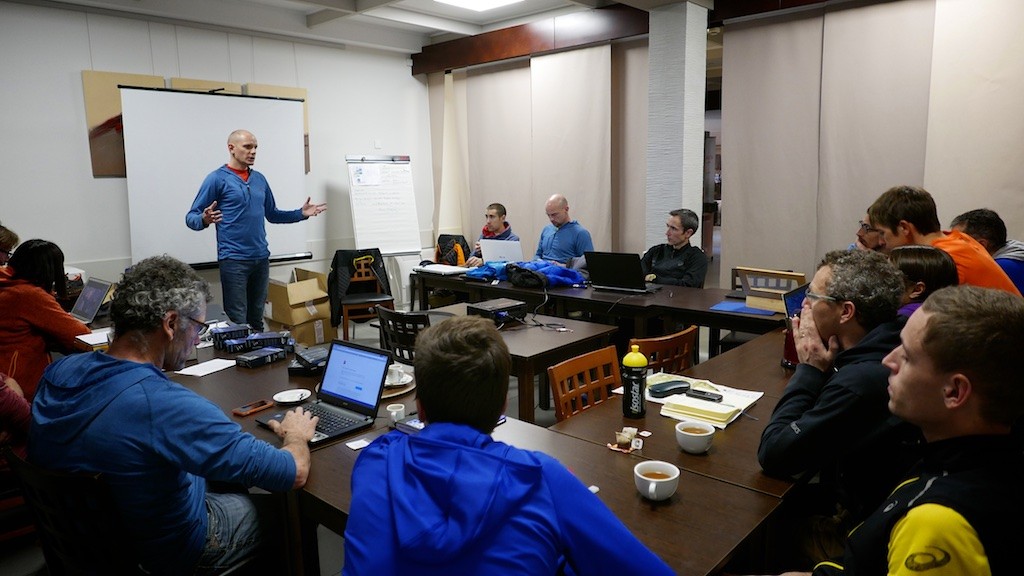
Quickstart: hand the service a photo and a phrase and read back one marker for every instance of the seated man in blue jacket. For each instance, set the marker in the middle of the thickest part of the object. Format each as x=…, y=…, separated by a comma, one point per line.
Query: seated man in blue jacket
x=452, y=500
x=158, y=443
x=956, y=375
x=564, y=240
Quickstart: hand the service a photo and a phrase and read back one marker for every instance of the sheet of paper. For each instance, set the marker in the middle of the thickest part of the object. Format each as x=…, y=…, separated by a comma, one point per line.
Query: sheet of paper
x=208, y=367
x=96, y=337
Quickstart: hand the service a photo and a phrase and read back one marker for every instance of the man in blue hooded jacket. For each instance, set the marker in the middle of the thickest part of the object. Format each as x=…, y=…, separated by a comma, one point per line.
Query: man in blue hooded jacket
x=452, y=500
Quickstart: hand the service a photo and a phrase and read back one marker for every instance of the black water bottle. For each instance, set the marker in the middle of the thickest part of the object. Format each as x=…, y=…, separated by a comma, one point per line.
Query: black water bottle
x=634, y=384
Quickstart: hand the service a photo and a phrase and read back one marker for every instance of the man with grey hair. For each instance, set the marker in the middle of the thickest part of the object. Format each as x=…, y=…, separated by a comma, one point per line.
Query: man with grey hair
x=158, y=443
x=833, y=417
x=677, y=262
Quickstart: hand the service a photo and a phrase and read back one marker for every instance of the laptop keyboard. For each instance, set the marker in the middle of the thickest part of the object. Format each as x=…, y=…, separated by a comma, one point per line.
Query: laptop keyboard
x=330, y=420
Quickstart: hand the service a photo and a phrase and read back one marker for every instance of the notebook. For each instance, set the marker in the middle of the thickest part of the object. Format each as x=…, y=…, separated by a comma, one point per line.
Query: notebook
x=94, y=293
x=501, y=250
x=617, y=272
x=349, y=394
x=441, y=269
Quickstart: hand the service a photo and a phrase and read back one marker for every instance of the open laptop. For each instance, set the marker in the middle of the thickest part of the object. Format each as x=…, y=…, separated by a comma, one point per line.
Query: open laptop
x=617, y=272
x=501, y=250
x=794, y=300
x=349, y=394
x=94, y=293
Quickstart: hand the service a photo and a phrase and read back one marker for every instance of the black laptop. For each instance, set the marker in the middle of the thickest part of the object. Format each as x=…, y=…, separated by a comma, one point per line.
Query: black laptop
x=94, y=293
x=617, y=272
x=794, y=300
x=349, y=394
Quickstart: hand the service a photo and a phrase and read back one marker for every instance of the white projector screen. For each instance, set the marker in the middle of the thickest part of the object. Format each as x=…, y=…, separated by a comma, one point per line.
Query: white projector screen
x=173, y=139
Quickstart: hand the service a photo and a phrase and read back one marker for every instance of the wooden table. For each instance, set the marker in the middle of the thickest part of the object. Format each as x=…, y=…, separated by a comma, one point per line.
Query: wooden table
x=695, y=532
x=733, y=455
x=681, y=304
x=534, y=348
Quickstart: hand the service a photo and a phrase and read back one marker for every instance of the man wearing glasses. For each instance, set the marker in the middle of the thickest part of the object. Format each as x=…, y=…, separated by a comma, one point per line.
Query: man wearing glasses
x=833, y=418
x=158, y=443
x=868, y=237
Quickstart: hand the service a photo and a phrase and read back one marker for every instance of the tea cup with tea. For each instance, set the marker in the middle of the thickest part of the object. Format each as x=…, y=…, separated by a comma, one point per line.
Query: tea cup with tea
x=655, y=479
x=694, y=437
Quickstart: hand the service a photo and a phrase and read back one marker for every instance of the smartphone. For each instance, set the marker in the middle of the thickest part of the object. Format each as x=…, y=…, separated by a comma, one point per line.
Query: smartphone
x=252, y=407
x=704, y=395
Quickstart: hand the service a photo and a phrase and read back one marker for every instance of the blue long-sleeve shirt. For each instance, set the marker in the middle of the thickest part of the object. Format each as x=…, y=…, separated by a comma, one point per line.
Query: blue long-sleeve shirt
x=241, y=235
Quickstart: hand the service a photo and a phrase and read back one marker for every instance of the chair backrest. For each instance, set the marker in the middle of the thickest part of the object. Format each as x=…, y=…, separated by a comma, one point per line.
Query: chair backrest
x=673, y=353
x=363, y=272
x=584, y=381
x=399, y=330
x=77, y=520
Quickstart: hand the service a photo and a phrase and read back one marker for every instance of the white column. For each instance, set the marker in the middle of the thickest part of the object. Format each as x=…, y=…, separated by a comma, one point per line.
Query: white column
x=675, y=133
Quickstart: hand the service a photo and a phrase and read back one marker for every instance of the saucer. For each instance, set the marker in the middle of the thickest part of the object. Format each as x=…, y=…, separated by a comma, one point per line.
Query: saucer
x=406, y=378
x=292, y=396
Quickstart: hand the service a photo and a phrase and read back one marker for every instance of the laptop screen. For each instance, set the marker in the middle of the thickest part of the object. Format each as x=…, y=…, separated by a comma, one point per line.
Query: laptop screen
x=90, y=300
x=354, y=376
x=794, y=300
x=615, y=270
x=501, y=250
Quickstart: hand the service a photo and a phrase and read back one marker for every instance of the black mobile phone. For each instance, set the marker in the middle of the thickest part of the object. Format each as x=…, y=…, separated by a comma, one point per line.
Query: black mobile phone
x=704, y=395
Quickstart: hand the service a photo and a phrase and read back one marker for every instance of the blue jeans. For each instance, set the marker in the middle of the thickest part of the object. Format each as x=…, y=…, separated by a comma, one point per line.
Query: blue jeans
x=244, y=286
x=239, y=525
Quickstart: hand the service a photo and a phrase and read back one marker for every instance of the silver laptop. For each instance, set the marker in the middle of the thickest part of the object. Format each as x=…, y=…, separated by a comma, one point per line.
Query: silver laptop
x=501, y=250
x=349, y=394
x=89, y=301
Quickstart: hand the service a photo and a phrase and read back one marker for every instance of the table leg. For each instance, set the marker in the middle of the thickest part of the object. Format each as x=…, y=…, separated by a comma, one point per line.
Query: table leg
x=525, y=376
x=543, y=392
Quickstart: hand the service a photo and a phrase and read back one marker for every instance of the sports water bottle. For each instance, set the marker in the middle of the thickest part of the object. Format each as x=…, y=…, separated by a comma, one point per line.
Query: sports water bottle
x=634, y=383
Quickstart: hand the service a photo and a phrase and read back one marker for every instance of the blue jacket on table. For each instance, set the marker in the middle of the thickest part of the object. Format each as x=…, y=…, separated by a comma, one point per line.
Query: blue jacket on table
x=838, y=423
x=241, y=235
x=563, y=244
x=953, y=517
x=155, y=442
x=452, y=500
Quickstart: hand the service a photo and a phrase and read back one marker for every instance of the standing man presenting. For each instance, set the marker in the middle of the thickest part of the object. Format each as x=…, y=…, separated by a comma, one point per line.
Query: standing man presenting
x=495, y=228
x=563, y=239
x=237, y=199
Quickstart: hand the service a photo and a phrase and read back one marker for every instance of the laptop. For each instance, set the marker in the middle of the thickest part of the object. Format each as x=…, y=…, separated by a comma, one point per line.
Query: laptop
x=349, y=394
x=94, y=293
x=794, y=300
x=441, y=269
x=617, y=272
x=501, y=250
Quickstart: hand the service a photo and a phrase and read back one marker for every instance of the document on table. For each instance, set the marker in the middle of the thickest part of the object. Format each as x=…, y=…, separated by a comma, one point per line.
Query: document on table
x=208, y=367
x=682, y=407
x=97, y=337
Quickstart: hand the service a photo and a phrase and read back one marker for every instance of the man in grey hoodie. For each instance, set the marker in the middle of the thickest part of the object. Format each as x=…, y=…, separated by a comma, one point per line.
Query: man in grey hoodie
x=989, y=230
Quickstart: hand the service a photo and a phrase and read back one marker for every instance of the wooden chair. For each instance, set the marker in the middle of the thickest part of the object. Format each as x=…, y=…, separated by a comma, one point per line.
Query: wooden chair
x=398, y=332
x=673, y=353
x=364, y=295
x=584, y=381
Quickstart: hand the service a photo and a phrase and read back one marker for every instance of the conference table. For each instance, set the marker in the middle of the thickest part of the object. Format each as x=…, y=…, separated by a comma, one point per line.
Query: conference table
x=696, y=531
x=541, y=341
x=681, y=304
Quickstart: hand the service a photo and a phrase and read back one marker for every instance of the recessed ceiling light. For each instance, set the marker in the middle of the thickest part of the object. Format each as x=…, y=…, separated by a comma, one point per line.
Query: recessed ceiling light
x=478, y=5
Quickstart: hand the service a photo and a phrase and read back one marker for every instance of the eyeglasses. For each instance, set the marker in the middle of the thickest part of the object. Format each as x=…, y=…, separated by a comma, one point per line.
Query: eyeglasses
x=866, y=228
x=203, y=326
x=814, y=297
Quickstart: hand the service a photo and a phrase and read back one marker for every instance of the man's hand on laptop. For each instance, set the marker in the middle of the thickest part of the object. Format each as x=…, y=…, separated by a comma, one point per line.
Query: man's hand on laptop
x=473, y=262
x=296, y=426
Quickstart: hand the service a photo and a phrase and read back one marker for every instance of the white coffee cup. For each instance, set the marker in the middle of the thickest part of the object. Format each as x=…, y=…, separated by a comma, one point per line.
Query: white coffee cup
x=395, y=374
x=396, y=412
x=694, y=436
x=656, y=480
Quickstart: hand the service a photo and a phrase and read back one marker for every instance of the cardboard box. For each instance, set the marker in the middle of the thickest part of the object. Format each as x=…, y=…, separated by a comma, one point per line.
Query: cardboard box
x=301, y=300
x=308, y=333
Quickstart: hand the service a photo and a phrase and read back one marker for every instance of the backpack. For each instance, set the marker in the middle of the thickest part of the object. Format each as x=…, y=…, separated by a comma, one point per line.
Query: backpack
x=524, y=277
x=451, y=249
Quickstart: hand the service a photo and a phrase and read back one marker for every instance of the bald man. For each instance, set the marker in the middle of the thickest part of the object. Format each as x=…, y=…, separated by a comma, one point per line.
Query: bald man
x=563, y=239
x=237, y=199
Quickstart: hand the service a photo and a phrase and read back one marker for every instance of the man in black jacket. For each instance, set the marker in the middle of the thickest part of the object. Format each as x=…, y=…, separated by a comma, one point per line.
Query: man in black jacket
x=833, y=418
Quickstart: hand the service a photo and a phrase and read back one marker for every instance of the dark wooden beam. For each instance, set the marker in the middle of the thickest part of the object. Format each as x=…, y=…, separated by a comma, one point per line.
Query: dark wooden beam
x=553, y=34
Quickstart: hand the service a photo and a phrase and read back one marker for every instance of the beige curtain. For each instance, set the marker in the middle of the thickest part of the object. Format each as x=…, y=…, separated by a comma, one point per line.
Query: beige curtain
x=629, y=145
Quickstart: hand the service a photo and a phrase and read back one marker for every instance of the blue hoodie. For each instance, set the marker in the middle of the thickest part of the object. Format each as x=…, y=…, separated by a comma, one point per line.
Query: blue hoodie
x=454, y=501
x=155, y=441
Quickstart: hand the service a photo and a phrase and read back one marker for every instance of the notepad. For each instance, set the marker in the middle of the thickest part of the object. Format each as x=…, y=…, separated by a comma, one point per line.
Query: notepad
x=718, y=414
